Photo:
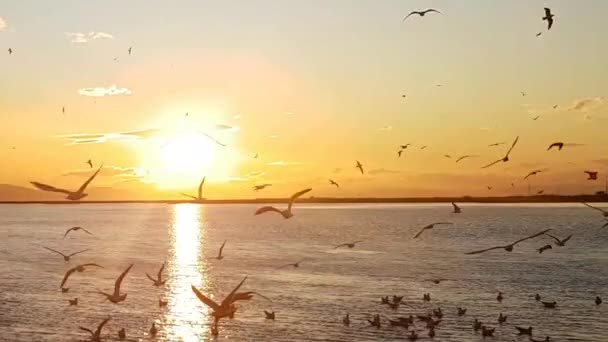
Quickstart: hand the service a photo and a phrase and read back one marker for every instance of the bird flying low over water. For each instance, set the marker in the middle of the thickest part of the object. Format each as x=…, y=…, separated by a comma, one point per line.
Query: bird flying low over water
x=159, y=276
x=293, y=264
x=533, y=173
x=96, y=335
x=509, y=247
x=90, y=163
x=457, y=209
x=66, y=257
x=544, y=248
x=74, y=229
x=466, y=156
x=79, y=268
x=548, y=17
x=333, y=182
x=558, y=241
x=348, y=244
x=360, y=167
x=604, y=212
x=430, y=226
x=559, y=146
x=261, y=187
x=116, y=297
x=72, y=195
x=287, y=212
x=421, y=13
x=591, y=175
x=497, y=144
x=505, y=158
x=200, y=191
x=219, y=253
x=224, y=309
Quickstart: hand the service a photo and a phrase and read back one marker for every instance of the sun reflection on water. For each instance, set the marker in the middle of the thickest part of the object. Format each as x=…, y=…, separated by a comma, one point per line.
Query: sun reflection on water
x=187, y=321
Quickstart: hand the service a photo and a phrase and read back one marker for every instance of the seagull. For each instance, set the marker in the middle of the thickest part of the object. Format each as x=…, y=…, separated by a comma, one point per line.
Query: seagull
x=489, y=187
x=77, y=228
x=509, y=247
x=287, y=212
x=506, y=157
x=224, y=309
x=592, y=175
x=348, y=244
x=200, y=191
x=461, y=311
x=539, y=34
x=544, y=248
x=346, y=320
x=261, y=187
x=403, y=147
x=421, y=13
x=159, y=277
x=295, y=265
x=399, y=153
x=540, y=192
x=598, y=300
x=359, y=166
x=66, y=257
x=162, y=303
x=497, y=144
x=559, y=146
x=130, y=50
x=447, y=156
x=502, y=318
x=269, y=315
x=555, y=106
x=560, y=242
x=423, y=147
x=499, y=297
x=72, y=195
x=79, y=268
x=536, y=117
x=63, y=110
x=73, y=302
x=122, y=334
x=333, y=182
x=537, y=297
x=550, y=305
x=604, y=212
x=522, y=93
x=533, y=173
x=10, y=51
x=153, y=330
x=219, y=254
x=465, y=156
x=430, y=226
x=96, y=336
x=116, y=297
x=457, y=209
x=548, y=17
x=90, y=163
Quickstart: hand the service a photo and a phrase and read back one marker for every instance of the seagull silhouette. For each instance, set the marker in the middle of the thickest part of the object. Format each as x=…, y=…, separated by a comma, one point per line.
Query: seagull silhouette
x=539, y=34
x=90, y=163
x=592, y=175
x=79, y=268
x=457, y=209
x=421, y=13
x=523, y=93
x=348, y=244
x=509, y=247
x=130, y=50
x=536, y=117
x=505, y=158
x=75, y=229
x=224, y=309
x=96, y=335
x=200, y=191
x=403, y=147
x=10, y=51
x=559, y=146
x=399, y=153
x=66, y=257
x=294, y=264
x=534, y=173
x=604, y=212
x=159, y=277
x=287, y=212
x=497, y=144
x=333, y=182
x=116, y=297
x=430, y=226
x=548, y=17
x=72, y=195
x=219, y=254
x=560, y=242
x=63, y=110
x=359, y=166
x=466, y=156
x=544, y=248
x=261, y=187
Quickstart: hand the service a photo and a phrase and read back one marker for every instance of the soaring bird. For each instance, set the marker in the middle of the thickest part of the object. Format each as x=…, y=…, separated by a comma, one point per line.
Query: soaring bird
x=359, y=166
x=66, y=257
x=592, y=175
x=74, y=229
x=403, y=147
x=333, y=182
x=130, y=50
x=523, y=93
x=548, y=17
x=90, y=163
x=560, y=242
x=421, y=13
x=399, y=153
x=536, y=117
x=269, y=314
x=159, y=277
x=465, y=156
x=72, y=195
x=247, y=296
x=447, y=156
x=539, y=34
x=524, y=331
x=457, y=209
x=497, y=144
x=509, y=247
x=533, y=173
x=544, y=248
x=559, y=146
x=122, y=334
x=422, y=147
x=604, y=212
x=224, y=309
x=430, y=226
x=200, y=191
x=10, y=51
x=96, y=335
x=506, y=157
x=63, y=110
x=116, y=297
x=287, y=212
x=348, y=244
x=555, y=106
x=219, y=254
x=261, y=187
x=293, y=264
x=79, y=268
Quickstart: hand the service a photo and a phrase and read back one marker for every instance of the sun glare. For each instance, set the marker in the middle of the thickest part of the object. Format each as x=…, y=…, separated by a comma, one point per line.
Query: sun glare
x=188, y=154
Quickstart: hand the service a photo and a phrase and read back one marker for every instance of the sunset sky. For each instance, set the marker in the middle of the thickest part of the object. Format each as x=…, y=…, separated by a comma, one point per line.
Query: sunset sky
x=310, y=86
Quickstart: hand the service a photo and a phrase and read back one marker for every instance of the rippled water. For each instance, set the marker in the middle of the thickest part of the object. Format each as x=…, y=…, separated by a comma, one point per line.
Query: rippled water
x=311, y=300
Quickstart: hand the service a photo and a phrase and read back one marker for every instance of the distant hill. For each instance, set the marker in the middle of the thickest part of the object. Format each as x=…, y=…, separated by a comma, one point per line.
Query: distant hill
x=14, y=193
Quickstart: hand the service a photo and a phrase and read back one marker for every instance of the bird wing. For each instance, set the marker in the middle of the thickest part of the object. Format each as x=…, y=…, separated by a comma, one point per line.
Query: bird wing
x=228, y=300
x=222, y=248
x=86, y=231
x=432, y=10
x=295, y=196
x=596, y=208
x=554, y=238
x=82, y=251
x=421, y=231
x=550, y=20
x=492, y=163
x=247, y=295
x=267, y=209
x=46, y=187
x=119, y=280
x=214, y=140
x=87, y=330
x=68, y=231
x=455, y=206
x=55, y=251
x=567, y=239
x=485, y=250
x=183, y=194
x=91, y=264
x=160, y=271
x=529, y=174
x=461, y=158
x=531, y=237
x=341, y=245
x=547, y=11
x=552, y=146
x=84, y=186
x=513, y=145
x=200, y=188
x=605, y=225
x=150, y=277
x=67, y=275
x=411, y=13
x=100, y=326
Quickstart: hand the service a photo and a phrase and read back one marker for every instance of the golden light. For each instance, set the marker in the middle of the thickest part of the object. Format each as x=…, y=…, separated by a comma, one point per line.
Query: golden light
x=188, y=154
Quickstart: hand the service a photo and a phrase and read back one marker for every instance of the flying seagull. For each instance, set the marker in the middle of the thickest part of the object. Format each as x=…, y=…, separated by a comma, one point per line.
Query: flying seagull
x=96, y=335
x=421, y=13
x=403, y=147
x=79, y=268
x=457, y=209
x=359, y=166
x=560, y=242
x=72, y=195
x=509, y=247
x=399, y=153
x=63, y=110
x=423, y=147
x=261, y=187
x=66, y=257
x=447, y=156
x=333, y=182
x=536, y=117
x=10, y=51
x=116, y=297
x=130, y=50
x=506, y=157
x=200, y=191
x=544, y=248
x=430, y=226
x=348, y=244
x=74, y=229
x=604, y=212
x=287, y=212
x=548, y=17
x=539, y=34
x=555, y=106
x=90, y=163
x=159, y=277
x=559, y=146
x=533, y=173
x=293, y=264
x=466, y=156
x=592, y=175
x=224, y=309
x=219, y=254
x=497, y=144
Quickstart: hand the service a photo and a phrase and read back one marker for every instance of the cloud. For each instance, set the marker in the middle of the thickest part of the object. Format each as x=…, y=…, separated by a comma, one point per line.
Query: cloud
x=86, y=138
x=254, y=174
x=3, y=24
x=101, y=91
x=386, y=128
x=283, y=163
x=586, y=104
x=122, y=173
x=382, y=171
x=83, y=38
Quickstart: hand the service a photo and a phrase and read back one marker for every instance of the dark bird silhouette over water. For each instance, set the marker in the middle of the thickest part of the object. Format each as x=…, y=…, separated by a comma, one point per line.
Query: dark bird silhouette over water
x=591, y=175
x=96, y=335
x=261, y=187
x=524, y=331
x=548, y=17
x=550, y=305
x=399, y=153
x=333, y=182
x=604, y=212
x=558, y=241
x=122, y=334
x=559, y=146
x=430, y=226
x=539, y=34
x=294, y=264
x=79, y=268
x=72, y=195
x=506, y=157
x=287, y=212
x=457, y=209
x=598, y=300
x=159, y=277
x=502, y=318
x=533, y=173
x=116, y=297
x=346, y=320
x=360, y=167
x=544, y=248
x=348, y=244
x=509, y=247
x=66, y=257
x=224, y=309
x=200, y=191
x=75, y=229
x=219, y=253
x=269, y=315
x=73, y=302
x=421, y=13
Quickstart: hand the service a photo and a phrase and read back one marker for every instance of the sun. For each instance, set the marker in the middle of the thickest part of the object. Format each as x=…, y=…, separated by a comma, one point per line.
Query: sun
x=187, y=154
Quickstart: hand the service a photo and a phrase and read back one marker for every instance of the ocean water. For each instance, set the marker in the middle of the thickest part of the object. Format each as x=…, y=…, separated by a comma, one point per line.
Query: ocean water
x=311, y=300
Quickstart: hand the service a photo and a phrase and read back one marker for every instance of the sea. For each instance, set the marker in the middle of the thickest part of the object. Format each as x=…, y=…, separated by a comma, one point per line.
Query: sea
x=311, y=300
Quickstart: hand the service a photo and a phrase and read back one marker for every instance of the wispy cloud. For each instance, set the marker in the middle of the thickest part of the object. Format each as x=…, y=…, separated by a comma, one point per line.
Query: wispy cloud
x=122, y=173
x=386, y=128
x=587, y=104
x=382, y=171
x=104, y=91
x=83, y=38
x=254, y=174
x=87, y=138
x=3, y=24
x=283, y=163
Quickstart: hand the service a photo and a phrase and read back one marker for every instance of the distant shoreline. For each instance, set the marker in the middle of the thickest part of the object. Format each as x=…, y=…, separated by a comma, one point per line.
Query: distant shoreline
x=353, y=200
